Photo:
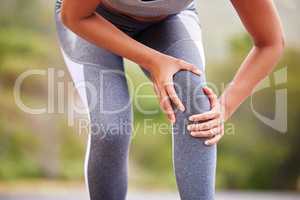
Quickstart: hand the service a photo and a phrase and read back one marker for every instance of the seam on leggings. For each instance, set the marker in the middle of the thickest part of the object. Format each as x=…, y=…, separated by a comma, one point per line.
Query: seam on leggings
x=200, y=40
x=86, y=64
x=72, y=58
x=86, y=163
x=88, y=144
x=181, y=40
x=83, y=97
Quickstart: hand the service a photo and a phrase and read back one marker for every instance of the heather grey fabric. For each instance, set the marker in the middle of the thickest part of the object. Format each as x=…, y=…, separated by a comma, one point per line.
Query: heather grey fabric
x=147, y=8
x=178, y=35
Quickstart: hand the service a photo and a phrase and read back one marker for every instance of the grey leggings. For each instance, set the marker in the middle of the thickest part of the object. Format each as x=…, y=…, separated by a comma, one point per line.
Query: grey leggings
x=107, y=98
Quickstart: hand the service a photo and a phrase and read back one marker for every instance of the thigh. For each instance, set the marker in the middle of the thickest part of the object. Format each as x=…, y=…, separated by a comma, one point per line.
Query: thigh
x=99, y=78
x=169, y=35
x=81, y=51
x=180, y=36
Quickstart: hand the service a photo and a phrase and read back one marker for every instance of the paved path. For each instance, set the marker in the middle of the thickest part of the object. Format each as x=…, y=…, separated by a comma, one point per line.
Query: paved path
x=80, y=195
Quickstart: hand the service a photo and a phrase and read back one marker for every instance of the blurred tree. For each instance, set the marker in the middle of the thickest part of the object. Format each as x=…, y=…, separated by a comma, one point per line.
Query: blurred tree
x=258, y=157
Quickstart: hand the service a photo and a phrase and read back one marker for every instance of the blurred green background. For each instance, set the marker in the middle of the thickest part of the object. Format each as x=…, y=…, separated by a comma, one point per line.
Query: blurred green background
x=44, y=147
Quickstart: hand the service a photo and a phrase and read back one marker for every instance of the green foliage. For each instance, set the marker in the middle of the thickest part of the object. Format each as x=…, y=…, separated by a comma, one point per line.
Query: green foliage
x=18, y=147
x=71, y=154
x=256, y=156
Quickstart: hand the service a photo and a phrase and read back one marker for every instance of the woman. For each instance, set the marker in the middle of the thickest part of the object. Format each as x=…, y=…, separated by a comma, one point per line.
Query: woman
x=164, y=38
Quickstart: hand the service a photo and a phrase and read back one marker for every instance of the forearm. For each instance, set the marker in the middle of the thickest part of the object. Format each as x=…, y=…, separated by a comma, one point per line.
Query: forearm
x=102, y=33
x=258, y=64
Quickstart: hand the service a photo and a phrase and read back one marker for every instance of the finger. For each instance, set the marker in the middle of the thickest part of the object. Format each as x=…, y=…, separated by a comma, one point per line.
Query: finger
x=205, y=116
x=174, y=97
x=214, y=140
x=207, y=134
x=166, y=105
x=204, y=126
x=213, y=99
x=156, y=90
x=190, y=67
x=170, y=116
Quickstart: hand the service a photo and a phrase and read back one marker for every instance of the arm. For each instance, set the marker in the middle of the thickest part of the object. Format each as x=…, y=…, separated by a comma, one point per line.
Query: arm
x=261, y=20
x=80, y=17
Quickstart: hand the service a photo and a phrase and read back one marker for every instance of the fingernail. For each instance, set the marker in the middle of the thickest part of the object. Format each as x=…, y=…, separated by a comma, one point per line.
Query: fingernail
x=193, y=133
x=173, y=120
x=189, y=128
x=206, y=142
x=191, y=118
x=182, y=108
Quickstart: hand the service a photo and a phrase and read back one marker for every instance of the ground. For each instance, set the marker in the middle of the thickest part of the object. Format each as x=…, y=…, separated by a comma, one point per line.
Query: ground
x=137, y=195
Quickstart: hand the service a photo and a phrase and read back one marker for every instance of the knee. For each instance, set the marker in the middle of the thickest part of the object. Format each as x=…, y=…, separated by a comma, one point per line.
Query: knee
x=189, y=89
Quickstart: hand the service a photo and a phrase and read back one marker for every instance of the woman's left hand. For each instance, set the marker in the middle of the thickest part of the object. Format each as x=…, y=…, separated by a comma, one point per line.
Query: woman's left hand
x=210, y=124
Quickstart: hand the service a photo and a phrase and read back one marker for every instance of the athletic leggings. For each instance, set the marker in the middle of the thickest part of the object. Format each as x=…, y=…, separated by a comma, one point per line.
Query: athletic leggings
x=106, y=96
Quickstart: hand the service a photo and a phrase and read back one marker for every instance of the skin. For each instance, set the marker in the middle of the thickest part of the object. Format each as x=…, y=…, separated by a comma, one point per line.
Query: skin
x=260, y=19
x=262, y=22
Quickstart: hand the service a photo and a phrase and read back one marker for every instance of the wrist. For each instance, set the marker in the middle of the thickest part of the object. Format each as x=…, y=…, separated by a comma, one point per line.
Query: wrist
x=151, y=59
x=225, y=108
x=230, y=100
x=233, y=96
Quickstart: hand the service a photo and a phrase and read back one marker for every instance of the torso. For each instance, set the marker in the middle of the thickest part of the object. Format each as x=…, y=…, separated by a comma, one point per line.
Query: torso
x=147, y=9
x=144, y=10
x=156, y=18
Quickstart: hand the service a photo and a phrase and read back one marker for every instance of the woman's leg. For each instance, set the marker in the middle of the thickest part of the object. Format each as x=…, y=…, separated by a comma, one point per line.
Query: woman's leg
x=111, y=121
x=194, y=163
x=106, y=96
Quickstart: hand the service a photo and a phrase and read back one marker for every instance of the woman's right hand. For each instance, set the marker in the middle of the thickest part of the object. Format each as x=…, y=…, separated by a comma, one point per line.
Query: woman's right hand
x=162, y=71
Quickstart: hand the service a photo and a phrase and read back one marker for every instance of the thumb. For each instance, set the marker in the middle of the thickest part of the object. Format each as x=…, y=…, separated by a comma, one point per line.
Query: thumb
x=190, y=67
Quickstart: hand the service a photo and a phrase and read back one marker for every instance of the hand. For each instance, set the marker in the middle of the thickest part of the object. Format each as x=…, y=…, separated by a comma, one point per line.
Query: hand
x=162, y=72
x=210, y=124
